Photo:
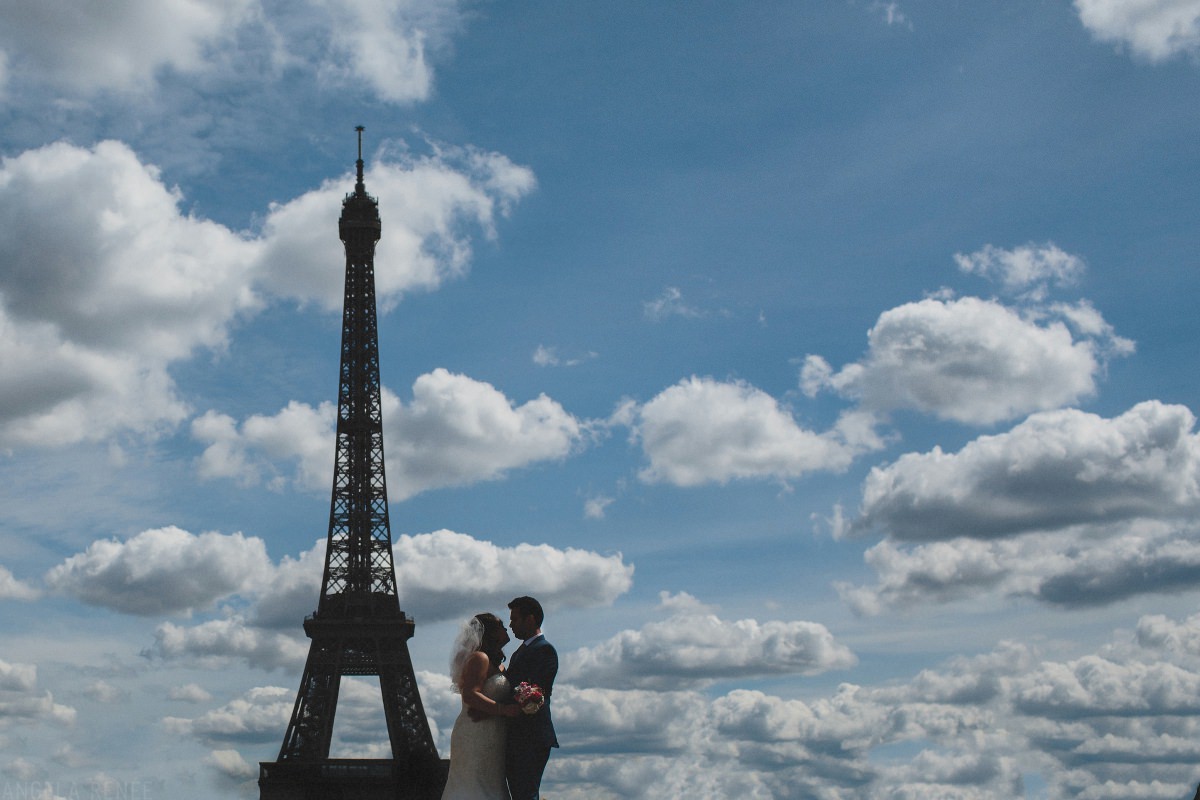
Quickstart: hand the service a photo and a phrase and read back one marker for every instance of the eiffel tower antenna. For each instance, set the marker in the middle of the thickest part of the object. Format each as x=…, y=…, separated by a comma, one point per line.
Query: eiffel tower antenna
x=358, y=628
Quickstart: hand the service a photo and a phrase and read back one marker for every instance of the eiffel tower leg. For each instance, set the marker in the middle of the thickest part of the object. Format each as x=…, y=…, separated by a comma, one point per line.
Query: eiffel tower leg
x=417, y=762
x=310, y=730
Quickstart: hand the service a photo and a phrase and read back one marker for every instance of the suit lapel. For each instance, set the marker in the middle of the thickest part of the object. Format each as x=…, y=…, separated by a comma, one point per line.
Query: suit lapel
x=522, y=650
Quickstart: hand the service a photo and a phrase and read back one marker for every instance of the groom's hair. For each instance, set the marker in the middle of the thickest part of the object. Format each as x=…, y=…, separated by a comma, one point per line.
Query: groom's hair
x=526, y=606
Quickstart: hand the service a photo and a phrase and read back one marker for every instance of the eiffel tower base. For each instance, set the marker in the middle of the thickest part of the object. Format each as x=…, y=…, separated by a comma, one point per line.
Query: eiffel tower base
x=351, y=779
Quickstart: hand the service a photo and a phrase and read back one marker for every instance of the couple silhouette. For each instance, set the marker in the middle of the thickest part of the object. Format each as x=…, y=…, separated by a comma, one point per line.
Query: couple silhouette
x=502, y=738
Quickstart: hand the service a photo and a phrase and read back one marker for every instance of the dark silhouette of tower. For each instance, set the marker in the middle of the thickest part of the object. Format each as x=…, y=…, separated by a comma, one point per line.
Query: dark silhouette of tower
x=358, y=628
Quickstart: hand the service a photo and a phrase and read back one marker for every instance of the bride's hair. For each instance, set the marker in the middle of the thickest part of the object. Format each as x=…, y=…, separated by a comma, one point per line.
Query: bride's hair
x=483, y=633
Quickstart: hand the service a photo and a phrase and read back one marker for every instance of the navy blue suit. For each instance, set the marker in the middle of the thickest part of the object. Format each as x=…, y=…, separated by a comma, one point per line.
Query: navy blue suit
x=530, y=736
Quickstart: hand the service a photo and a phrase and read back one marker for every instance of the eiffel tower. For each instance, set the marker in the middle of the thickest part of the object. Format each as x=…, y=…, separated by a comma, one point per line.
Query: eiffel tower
x=358, y=628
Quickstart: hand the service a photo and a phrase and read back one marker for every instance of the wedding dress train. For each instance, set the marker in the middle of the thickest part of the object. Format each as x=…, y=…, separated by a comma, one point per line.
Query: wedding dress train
x=477, y=751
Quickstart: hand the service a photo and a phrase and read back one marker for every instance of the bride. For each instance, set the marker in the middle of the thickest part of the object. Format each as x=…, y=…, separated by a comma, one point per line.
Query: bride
x=477, y=742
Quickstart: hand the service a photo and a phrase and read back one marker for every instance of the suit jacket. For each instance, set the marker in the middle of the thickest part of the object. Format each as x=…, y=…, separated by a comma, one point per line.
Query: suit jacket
x=537, y=663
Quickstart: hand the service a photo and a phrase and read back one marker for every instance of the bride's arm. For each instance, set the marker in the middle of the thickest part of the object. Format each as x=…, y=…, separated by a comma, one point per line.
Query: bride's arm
x=474, y=674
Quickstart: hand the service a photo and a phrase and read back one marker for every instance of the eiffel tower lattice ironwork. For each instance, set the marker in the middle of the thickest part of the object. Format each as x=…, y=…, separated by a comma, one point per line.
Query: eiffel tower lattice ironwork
x=358, y=627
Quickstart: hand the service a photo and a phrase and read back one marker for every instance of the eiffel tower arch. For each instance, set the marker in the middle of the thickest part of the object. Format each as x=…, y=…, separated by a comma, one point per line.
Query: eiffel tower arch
x=358, y=627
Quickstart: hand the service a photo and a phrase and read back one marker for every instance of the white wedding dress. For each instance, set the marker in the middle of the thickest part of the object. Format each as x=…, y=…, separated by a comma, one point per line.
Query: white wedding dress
x=477, y=751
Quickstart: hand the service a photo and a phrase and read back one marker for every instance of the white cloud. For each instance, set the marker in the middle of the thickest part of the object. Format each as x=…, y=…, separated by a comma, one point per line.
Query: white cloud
x=292, y=590
x=116, y=46
x=545, y=356
x=1153, y=29
x=694, y=646
x=105, y=284
x=631, y=720
x=217, y=643
x=298, y=433
x=669, y=304
x=1095, y=686
x=105, y=692
x=13, y=589
x=378, y=44
x=1087, y=566
x=456, y=431
x=231, y=764
x=440, y=575
x=260, y=715
x=1067, y=508
x=704, y=431
x=17, y=677
x=429, y=205
x=375, y=41
x=548, y=357
x=597, y=506
x=446, y=575
x=1029, y=268
x=23, y=704
x=971, y=360
x=162, y=571
x=1056, y=469
x=189, y=693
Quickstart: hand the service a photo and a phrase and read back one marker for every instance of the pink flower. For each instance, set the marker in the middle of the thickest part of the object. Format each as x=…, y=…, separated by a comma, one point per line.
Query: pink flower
x=529, y=697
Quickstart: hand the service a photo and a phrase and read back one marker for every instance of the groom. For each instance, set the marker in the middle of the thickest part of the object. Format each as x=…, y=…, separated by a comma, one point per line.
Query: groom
x=530, y=736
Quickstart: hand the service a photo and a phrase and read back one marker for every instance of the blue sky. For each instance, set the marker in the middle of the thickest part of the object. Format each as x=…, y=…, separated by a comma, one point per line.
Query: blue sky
x=827, y=369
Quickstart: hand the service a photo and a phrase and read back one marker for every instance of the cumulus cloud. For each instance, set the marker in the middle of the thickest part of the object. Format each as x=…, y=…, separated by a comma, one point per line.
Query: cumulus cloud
x=455, y=431
x=162, y=571
x=217, y=643
x=430, y=204
x=231, y=764
x=971, y=360
x=23, y=704
x=694, y=646
x=1077, y=568
x=1152, y=29
x=13, y=589
x=261, y=714
x=1095, y=686
x=106, y=283
x=1029, y=268
x=291, y=591
x=120, y=46
x=447, y=575
x=374, y=43
x=750, y=744
x=458, y=430
x=704, y=431
x=1056, y=469
x=257, y=717
x=440, y=575
x=247, y=452
x=189, y=693
x=1068, y=508
x=1091, y=726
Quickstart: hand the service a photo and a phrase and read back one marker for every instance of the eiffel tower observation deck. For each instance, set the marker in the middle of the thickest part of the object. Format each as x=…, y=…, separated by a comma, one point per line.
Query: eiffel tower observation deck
x=358, y=628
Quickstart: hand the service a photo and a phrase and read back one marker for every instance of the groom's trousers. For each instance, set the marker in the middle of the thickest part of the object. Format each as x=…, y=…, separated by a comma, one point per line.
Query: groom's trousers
x=525, y=767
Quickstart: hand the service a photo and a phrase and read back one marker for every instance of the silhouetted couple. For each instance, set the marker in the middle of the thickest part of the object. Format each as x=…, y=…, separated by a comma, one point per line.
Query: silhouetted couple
x=503, y=735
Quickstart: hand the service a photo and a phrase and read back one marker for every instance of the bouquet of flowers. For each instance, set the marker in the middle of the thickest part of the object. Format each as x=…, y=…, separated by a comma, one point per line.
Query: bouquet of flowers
x=529, y=697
